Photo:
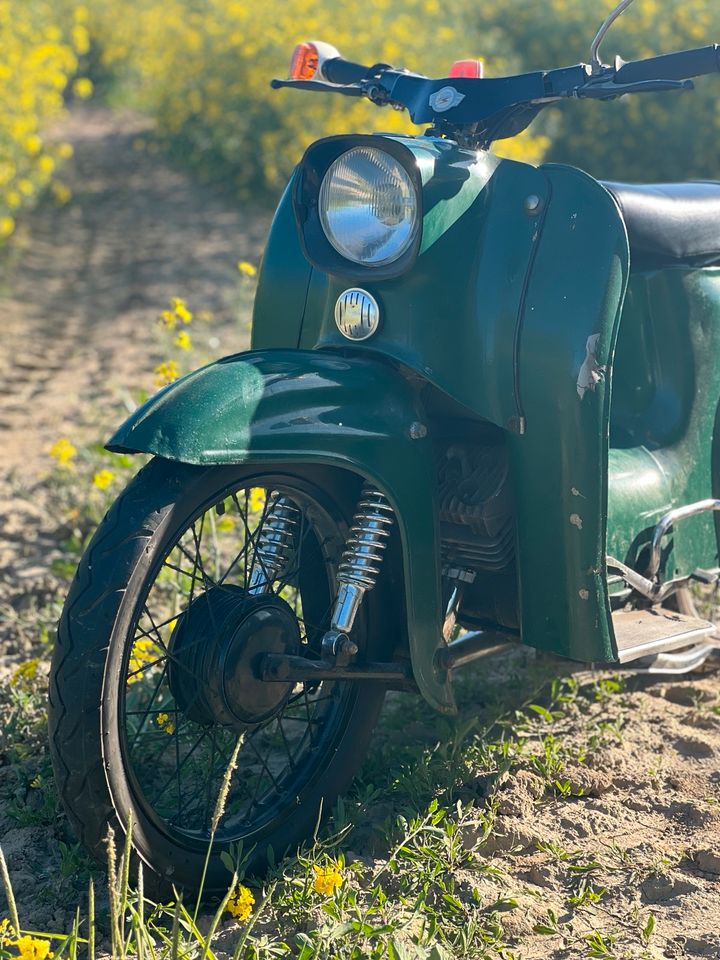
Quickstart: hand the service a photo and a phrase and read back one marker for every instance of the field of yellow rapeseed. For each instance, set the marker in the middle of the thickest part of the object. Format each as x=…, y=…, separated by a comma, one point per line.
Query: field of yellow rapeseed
x=40, y=46
x=204, y=69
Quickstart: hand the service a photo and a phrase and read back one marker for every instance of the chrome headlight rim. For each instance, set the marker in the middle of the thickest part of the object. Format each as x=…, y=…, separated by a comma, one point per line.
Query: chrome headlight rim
x=315, y=245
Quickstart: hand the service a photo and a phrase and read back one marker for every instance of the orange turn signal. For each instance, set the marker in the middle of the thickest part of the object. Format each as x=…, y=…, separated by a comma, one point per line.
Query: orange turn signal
x=305, y=62
x=472, y=69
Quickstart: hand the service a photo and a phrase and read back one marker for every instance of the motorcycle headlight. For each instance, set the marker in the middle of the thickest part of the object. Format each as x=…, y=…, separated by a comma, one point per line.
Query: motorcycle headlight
x=369, y=207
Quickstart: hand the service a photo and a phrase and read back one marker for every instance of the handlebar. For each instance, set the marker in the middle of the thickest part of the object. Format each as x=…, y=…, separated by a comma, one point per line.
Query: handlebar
x=477, y=112
x=671, y=66
x=342, y=71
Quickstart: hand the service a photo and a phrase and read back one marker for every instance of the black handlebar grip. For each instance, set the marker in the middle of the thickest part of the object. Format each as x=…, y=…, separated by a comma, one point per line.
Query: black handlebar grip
x=343, y=72
x=672, y=66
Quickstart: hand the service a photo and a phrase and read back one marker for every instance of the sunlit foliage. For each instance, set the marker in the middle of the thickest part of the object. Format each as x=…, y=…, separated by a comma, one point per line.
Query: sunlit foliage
x=664, y=136
x=40, y=43
x=204, y=70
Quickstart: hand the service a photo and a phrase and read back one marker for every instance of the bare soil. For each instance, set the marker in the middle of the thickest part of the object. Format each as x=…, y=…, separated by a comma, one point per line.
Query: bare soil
x=80, y=293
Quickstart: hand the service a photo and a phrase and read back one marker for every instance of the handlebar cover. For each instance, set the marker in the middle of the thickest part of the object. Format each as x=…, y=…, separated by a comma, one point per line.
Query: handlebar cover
x=672, y=66
x=342, y=71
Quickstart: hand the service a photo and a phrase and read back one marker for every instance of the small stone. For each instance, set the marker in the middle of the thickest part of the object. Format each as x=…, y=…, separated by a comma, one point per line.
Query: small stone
x=662, y=887
x=708, y=861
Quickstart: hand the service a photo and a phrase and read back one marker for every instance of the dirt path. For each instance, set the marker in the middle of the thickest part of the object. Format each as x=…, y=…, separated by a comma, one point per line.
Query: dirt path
x=81, y=293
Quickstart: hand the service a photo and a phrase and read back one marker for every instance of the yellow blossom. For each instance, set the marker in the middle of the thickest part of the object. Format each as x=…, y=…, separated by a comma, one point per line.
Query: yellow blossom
x=180, y=309
x=33, y=144
x=7, y=225
x=30, y=948
x=65, y=151
x=166, y=372
x=165, y=723
x=256, y=499
x=46, y=164
x=247, y=269
x=327, y=879
x=241, y=903
x=144, y=652
x=183, y=340
x=63, y=451
x=25, y=674
x=168, y=319
x=83, y=88
x=103, y=479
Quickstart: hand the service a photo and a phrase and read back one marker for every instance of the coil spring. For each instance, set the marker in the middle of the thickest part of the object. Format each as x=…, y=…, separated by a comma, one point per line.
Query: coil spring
x=367, y=541
x=276, y=540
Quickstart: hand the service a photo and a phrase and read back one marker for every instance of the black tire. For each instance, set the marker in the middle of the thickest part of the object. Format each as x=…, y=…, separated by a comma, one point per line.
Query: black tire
x=88, y=717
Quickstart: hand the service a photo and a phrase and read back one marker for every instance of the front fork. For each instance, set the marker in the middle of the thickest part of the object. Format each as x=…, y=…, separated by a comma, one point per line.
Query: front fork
x=358, y=570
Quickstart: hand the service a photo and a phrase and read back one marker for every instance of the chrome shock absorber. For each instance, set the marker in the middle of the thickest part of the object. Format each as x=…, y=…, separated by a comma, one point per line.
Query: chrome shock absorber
x=275, y=544
x=359, y=567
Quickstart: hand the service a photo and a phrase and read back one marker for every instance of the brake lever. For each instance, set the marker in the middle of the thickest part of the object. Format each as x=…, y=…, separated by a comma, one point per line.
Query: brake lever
x=605, y=90
x=318, y=86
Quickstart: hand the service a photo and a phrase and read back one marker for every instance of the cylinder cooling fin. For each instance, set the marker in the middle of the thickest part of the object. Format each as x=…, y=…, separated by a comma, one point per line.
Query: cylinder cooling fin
x=475, y=505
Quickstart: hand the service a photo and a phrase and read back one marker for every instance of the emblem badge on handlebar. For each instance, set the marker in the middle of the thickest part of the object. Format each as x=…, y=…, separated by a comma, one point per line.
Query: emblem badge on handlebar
x=445, y=98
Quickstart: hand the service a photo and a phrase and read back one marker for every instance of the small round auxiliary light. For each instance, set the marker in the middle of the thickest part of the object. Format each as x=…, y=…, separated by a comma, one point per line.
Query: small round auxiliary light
x=357, y=314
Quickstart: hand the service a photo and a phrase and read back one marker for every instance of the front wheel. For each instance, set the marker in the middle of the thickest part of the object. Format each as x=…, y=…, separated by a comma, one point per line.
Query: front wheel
x=192, y=576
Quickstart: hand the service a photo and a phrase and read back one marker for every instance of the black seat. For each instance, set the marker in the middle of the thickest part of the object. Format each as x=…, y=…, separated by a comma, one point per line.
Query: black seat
x=671, y=222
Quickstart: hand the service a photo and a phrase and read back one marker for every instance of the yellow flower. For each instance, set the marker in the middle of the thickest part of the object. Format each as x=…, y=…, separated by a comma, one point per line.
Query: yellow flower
x=241, y=903
x=327, y=879
x=25, y=674
x=180, y=309
x=33, y=144
x=29, y=948
x=46, y=164
x=247, y=269
x=7, y=225
x=183, y=340
x=63, y=451
x=166, y=372
x=144, y=652
x=165, y=723
x=168, y=319
x=13, y=199
x=26, y=187
x=256, y=500
x=103, y=479
x=83, y=88
x=65, y=151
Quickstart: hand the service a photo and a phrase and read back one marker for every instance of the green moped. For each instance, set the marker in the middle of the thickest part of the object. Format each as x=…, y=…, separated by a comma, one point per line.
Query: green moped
x=479, y=407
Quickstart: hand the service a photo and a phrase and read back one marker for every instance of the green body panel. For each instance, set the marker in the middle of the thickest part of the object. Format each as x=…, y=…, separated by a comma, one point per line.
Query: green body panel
x=665, y=400
x=569, y=325
x=295, y=406
x=283, y=282
x=453, y=318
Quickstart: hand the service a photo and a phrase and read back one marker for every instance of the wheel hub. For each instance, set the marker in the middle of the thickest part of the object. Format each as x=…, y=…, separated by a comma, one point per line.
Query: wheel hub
x=214, y=651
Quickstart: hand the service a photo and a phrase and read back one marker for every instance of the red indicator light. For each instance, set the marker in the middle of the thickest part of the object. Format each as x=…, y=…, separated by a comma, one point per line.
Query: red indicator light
x=473, y=69
x=305, y=62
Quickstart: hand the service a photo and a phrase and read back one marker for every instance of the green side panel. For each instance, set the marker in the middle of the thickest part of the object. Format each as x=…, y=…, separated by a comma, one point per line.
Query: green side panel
x=568, y=329
x=282, y=283
x=665, y=399
x=453, y=317
x=297, y=406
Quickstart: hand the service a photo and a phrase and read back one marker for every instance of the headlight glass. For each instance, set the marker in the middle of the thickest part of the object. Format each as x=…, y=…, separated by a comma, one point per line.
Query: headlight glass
x=368, y=206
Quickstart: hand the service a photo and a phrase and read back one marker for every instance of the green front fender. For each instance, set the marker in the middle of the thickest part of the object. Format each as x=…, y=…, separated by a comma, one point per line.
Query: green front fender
x=307, y=406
